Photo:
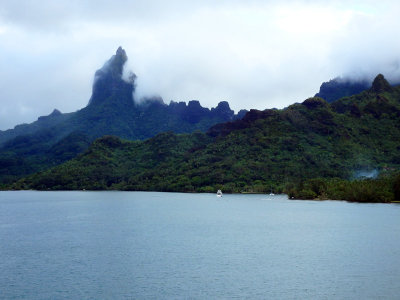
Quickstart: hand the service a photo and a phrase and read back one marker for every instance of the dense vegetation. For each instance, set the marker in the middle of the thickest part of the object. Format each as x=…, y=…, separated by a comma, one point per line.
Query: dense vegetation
x=28, y=154
x=386, y=188
x=272, y=149
x=41, y=123
x=111, y=110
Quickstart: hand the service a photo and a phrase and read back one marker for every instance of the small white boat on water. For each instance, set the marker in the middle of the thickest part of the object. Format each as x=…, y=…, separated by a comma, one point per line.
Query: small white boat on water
x=219, y=193
x=272, y=193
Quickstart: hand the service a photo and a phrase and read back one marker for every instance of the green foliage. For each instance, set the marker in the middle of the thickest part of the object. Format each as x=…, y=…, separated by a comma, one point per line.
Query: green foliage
x=308, y=150
x=382, y=189
x=49, y=147
x=29, y=154
x=42, y=123
x=111, y=110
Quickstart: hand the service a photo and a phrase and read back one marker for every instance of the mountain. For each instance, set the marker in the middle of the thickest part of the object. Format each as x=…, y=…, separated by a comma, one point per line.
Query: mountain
x=337, y=88
x=266, y=149
x=112, y=110
x=41, y=123
x=380, y=85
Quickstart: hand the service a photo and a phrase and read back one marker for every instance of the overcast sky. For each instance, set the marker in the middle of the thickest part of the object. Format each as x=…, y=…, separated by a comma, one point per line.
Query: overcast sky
x=254, y=54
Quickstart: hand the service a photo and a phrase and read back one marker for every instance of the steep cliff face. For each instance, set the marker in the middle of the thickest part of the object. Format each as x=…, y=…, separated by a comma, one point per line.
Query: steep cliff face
x=313, y=140
x=338, y=88
x=108, y=85
x=111, y=110
x=380, y=85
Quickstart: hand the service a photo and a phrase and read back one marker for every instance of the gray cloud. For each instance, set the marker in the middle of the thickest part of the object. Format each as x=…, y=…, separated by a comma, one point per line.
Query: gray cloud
x=258, y=54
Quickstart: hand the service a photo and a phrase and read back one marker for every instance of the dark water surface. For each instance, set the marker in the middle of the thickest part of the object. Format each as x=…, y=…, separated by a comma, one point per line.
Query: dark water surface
x=124, y=245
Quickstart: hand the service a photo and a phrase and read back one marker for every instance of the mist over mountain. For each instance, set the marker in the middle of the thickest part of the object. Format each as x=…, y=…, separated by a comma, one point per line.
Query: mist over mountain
x=271, y=148
x=340, y=87
x=108, y=85
x=111, y=111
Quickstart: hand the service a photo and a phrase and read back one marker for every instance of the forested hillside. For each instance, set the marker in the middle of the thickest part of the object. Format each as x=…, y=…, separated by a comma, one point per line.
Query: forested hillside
x=266, y=150
x=112, y=110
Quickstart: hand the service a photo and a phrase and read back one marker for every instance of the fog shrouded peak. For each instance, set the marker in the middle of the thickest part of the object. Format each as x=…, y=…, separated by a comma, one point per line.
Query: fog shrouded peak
x=339, y=87
x=109, y=84
x=254, y=53
x=115, y=64
x=380, y=85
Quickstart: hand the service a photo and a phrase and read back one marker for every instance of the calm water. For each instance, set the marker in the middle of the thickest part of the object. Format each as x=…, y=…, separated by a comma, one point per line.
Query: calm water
x=116, y=245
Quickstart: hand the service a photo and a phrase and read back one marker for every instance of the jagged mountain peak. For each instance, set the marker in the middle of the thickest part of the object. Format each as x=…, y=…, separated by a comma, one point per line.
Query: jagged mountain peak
x=380, y=85
x=115, y=64
x=118, y=61
x=223, y=105
x=338, y=87
x=121, y=52
x=55, y=112
x=109, y=86
x=223, y=109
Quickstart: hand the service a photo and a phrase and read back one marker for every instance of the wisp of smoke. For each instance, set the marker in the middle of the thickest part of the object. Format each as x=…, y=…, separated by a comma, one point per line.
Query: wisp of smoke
x=360, y=174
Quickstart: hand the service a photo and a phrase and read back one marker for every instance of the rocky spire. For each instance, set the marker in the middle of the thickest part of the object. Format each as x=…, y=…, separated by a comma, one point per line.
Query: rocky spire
x=380, y=85
x=117, y=62
x=108, y=85
x=223, y=110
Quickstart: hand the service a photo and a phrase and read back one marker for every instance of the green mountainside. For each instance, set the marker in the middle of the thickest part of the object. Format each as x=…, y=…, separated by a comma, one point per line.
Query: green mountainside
x=41, y=123
x=112, y=110
x=270, y=149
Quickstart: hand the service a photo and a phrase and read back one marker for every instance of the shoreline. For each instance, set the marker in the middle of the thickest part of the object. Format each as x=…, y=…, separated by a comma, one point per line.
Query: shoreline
x=180, y=192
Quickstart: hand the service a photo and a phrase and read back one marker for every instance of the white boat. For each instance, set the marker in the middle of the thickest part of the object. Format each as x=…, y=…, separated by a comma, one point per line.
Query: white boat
x=219, y=193
x=272, y=193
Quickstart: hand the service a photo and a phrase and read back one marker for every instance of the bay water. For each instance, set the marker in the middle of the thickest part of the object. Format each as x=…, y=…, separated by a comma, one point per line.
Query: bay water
x=145, y=245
